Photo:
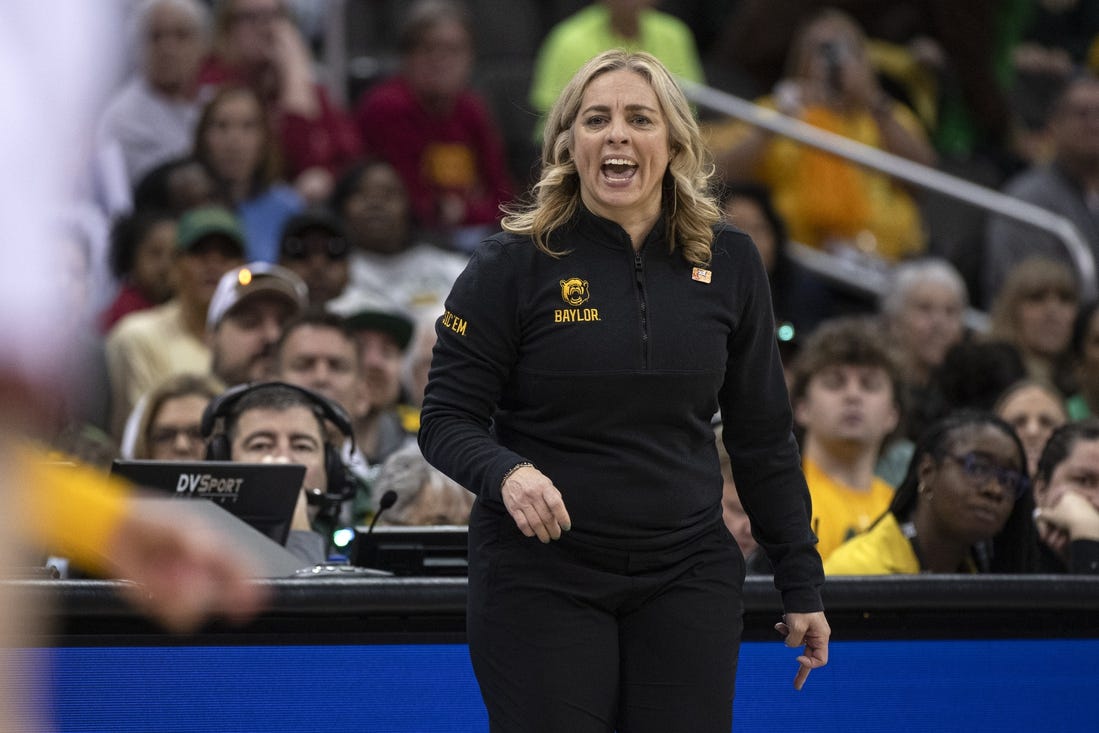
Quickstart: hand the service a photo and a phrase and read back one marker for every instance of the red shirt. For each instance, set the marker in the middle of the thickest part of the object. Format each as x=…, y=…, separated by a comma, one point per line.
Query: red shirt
x=461, y=152
x=128, y=300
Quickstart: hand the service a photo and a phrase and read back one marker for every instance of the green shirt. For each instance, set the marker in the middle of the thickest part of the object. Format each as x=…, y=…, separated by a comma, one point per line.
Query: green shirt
x=587, y=33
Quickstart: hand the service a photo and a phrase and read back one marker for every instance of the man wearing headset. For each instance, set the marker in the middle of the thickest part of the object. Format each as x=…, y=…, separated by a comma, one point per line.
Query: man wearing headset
x=274, y=422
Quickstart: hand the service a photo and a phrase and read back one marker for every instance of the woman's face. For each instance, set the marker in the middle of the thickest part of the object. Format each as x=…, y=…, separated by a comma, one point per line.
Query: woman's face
x=377, y=212
x=930, y=322
x=1045, y=321
x=620, y=147
x=1078, y=472
x=1035, y=414
x=967, y=490
x=153, y=261
x=235, y=137
x=440, y=65
x=744, y=213
x=828, y=38
x=174, y=433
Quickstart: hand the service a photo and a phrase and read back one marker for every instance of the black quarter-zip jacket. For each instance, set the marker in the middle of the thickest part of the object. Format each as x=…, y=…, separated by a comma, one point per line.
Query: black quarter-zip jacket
x=603, y=368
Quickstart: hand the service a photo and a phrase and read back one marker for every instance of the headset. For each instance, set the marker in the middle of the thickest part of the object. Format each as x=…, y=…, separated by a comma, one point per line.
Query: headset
x=341, y=485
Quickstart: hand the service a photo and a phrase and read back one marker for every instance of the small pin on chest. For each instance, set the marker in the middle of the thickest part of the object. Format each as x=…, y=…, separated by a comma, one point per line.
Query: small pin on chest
x=701, y=275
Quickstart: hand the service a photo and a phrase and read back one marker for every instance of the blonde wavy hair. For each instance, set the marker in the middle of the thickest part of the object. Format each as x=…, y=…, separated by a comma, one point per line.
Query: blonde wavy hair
x=689, y=205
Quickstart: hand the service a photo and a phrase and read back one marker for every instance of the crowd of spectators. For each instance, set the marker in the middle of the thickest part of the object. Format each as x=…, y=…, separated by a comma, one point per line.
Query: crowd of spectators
x=356, y=212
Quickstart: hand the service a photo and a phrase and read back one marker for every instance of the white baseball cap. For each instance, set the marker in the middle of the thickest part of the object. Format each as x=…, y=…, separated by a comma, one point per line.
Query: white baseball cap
x=241, y=283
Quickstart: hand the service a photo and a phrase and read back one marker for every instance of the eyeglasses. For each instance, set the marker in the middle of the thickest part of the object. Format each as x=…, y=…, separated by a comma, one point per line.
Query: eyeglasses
x=981, y=468
x=297, y=248
x=168, y=435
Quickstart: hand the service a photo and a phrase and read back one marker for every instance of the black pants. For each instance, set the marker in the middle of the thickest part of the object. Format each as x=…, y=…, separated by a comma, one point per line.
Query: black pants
x=569, y=639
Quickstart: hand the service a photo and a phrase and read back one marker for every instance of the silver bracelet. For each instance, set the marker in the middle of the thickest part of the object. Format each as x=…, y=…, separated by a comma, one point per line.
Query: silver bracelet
x=513, y=469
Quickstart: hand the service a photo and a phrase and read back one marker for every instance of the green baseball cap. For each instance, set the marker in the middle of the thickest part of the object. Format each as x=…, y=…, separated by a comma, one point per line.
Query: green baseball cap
x=205, y=221
x=365, y=311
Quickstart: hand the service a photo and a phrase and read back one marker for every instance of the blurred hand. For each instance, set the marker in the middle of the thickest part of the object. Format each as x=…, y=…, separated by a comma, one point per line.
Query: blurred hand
x=314, y=185
x=535, y=504
x=183, y=571
x=288, y=50
x=1072, y=517
x=812, y=630
x=294, y=65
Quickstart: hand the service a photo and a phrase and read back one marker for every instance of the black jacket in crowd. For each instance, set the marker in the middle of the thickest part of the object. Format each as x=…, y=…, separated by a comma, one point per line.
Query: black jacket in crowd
x=1083, y=558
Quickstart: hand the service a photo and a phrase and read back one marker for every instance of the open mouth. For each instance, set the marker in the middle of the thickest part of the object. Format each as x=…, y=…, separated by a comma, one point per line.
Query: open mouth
x=618, y=169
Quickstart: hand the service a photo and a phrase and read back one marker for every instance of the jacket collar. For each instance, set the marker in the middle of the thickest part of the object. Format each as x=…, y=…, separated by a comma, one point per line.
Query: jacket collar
x=611, y=234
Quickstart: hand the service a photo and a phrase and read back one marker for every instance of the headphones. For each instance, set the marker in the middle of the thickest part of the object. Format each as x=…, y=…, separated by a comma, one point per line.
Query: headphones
x=341, y=484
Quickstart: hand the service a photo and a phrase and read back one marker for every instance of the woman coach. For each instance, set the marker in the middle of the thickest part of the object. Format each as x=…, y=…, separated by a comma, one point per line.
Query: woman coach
x=581, y=358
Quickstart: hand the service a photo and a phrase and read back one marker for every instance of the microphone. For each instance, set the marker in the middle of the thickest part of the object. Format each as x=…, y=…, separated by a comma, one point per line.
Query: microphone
x=388, y=499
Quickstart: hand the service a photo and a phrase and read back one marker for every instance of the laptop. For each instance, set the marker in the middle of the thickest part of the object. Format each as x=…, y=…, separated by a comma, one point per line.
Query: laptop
x=262, y=495
x=440, y=550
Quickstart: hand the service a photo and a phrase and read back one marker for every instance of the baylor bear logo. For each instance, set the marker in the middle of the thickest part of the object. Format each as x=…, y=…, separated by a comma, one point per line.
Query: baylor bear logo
x=574, y=291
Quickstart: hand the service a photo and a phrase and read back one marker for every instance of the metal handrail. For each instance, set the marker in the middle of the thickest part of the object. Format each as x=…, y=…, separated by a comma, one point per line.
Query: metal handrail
x=904, y=169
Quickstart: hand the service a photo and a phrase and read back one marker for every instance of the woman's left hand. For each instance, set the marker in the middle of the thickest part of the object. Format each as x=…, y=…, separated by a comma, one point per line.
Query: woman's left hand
x=812, y=630
x=535, y=504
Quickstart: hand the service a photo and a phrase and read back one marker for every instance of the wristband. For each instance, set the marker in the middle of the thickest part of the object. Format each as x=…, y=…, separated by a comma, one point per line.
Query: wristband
x=513, y=469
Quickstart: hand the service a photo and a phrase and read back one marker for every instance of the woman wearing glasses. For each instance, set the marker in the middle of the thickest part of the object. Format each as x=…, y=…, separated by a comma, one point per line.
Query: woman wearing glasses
x=168, y=417
x=964, y=506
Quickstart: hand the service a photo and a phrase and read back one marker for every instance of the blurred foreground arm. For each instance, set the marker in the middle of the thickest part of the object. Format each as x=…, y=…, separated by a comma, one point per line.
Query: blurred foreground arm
x=183, y=571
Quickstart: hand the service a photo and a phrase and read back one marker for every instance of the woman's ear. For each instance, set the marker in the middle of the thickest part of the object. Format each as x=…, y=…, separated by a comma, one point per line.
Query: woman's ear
x=565, y=141
x=926, y=470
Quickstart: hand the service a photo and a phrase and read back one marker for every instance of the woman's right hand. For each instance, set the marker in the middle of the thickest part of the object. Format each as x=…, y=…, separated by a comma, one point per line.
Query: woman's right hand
x=290, y=56
x=535, y=504
x=1072, y=517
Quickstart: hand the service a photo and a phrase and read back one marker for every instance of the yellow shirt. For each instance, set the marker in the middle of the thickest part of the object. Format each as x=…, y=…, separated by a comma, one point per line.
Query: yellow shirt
x=72, y=510
x=822, y=197
x=839, y=511
x=884, y=550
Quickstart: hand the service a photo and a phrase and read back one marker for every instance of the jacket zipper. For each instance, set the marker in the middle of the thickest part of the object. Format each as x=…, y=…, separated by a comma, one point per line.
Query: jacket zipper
x=639, y=274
